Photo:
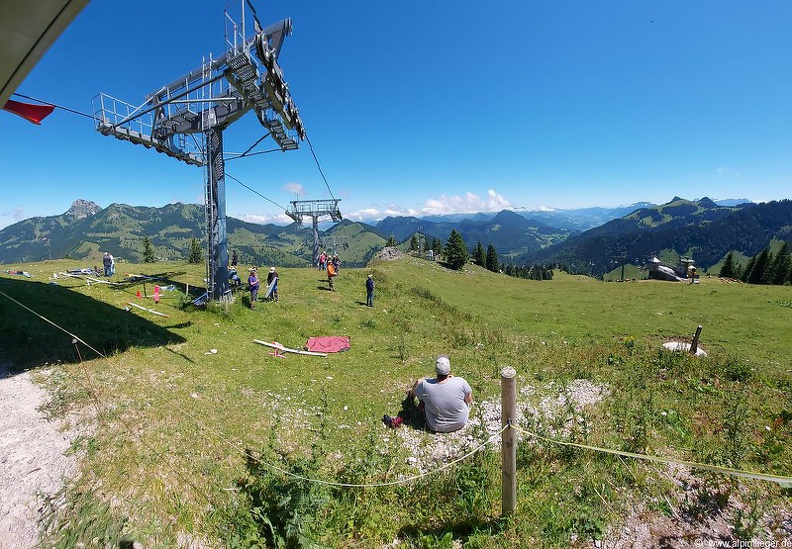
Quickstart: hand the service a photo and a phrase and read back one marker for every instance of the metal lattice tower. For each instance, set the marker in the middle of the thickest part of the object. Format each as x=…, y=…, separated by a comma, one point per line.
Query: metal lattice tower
x=206, y=101
x=314, y=209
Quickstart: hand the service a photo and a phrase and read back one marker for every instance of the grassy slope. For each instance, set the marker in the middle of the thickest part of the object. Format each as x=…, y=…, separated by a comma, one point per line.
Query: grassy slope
x=175, y=416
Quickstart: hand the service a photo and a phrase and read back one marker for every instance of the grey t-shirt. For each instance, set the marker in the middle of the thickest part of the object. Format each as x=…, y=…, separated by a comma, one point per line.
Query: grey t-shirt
x=444, y=403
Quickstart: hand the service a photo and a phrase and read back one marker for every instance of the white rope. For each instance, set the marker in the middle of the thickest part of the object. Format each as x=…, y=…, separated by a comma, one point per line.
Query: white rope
x=381, y=484
x=713, y=468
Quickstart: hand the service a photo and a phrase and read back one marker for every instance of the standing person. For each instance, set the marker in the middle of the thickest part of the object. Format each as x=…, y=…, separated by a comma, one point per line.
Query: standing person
x=253, y=284
x=322, y=260
x=444, y=400
x=112, y=264
x=106, y=263
x=234, y=259
x=331, y=272
x=370, y=291
x=273, y=276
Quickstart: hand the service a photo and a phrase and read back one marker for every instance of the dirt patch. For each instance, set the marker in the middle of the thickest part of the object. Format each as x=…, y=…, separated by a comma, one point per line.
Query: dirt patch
x=33, y=464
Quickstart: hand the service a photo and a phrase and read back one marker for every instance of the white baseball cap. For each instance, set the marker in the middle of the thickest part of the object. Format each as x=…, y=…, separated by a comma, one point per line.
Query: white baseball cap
x=443, y=365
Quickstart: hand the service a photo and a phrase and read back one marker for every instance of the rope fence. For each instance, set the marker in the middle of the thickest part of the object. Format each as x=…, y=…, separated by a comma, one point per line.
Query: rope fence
x=657, y=459
x=507, y=433
x=406, y=480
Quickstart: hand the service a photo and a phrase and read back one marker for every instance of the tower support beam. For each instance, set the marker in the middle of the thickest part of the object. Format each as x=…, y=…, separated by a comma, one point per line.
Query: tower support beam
x=217, y=266
x=207, y=100
x=315, y=209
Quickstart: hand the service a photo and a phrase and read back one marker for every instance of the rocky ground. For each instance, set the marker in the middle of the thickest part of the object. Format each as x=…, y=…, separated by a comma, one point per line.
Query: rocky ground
x=33, y=463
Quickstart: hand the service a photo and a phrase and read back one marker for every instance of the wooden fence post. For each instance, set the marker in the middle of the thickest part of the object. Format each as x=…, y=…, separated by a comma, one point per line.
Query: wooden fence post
x=508, y=447
x=694, y=344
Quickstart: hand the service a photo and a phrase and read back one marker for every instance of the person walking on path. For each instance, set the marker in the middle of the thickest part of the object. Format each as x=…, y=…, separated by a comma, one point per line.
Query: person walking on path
x=370, y=291
x=253, y=284
x=273, y=276
x=444, y=400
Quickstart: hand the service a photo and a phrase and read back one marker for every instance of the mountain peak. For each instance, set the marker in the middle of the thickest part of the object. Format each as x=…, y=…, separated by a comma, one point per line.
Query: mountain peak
x=505, y=216
x=83, y=208
x=707, y=203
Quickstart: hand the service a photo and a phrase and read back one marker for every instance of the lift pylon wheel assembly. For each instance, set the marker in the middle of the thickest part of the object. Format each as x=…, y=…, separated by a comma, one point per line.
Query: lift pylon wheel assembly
x=206, y=101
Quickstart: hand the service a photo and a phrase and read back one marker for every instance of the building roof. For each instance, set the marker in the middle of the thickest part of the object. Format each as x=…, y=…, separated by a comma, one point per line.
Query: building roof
x=27, y=30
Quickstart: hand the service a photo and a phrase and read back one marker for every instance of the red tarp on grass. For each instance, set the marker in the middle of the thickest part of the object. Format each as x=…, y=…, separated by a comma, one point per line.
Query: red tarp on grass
x=328, y=344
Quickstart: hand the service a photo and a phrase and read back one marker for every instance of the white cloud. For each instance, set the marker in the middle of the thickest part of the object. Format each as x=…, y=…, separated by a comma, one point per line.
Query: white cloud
x=293, y=188
x=729, y=172
x=12, y=216
x=278, y=219
x=443, y=205
x=375, y=214
x=469, y=203
x=535, y=209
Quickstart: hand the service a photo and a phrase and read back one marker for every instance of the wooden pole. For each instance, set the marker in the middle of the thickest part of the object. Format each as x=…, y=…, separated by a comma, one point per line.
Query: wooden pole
x=694, y=344
x=508, y=447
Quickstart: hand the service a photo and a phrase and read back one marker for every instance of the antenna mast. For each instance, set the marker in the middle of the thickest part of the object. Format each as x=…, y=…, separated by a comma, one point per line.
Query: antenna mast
x=206, y=101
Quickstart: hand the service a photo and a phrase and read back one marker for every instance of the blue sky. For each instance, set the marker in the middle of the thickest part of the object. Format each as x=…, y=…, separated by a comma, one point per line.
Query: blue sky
x=434, y=107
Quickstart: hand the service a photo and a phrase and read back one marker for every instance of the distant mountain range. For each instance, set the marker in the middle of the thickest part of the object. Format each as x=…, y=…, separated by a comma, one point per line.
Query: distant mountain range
x=590, y=240
x=86, y=230
x=579, y=219
x=702, y=230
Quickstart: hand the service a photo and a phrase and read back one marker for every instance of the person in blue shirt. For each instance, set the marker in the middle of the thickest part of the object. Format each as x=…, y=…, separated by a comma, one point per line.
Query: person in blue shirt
x=253, y=284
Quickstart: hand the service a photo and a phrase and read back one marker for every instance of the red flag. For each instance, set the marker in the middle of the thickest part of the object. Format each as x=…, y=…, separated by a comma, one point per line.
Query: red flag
x=31, y=113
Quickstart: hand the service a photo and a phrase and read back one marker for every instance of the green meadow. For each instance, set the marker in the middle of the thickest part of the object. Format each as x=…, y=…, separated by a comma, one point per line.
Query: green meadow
x=192, y=434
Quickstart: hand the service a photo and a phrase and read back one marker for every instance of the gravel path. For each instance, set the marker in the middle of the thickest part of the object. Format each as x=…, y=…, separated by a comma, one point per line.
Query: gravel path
x=32, y=460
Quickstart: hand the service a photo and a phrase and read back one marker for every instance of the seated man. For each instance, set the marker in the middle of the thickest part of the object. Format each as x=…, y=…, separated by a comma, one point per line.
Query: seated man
x=445, y=400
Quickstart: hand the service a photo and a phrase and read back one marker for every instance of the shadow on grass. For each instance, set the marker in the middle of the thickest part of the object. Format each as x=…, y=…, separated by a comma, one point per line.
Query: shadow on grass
x=28, y=340
x=145, y=284
x=461, y=531
x=411, y=415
